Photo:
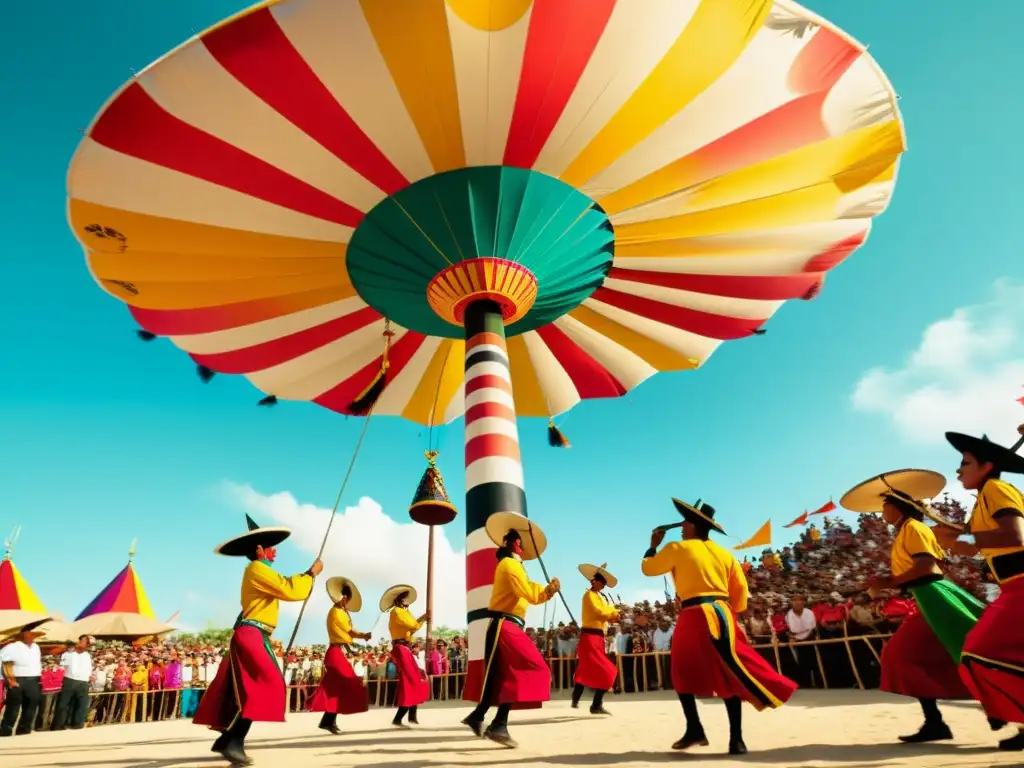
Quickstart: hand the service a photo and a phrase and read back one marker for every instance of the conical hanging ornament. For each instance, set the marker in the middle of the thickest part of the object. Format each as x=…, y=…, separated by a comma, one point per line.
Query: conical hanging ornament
x=431, y=505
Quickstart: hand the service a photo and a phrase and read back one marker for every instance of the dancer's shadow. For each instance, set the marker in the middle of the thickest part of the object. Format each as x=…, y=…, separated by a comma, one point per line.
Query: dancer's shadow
x=849, y=756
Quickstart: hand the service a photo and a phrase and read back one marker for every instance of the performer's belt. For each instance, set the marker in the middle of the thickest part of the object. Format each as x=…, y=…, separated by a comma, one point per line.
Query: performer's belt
x=267, y=630
x=587, y=631
x=1005, y=567
x=521, y=623
x=931, y=578
x=702, y=600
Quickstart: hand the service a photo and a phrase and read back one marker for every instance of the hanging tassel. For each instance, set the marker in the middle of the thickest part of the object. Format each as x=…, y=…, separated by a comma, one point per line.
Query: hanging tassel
x=145, y=335
x=364, y=403
x=269, y=401
x=760, y=332
x=555, y=437
x=206, y=374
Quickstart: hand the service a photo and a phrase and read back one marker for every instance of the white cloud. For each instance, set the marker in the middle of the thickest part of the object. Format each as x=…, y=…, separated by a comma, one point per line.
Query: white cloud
x=965, y=375
x=372, y=549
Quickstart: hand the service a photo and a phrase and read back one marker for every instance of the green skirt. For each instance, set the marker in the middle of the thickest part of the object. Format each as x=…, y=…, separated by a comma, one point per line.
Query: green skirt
x=950, y=611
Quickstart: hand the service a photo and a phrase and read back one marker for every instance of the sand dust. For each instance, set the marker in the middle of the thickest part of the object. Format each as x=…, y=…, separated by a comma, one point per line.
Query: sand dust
x=818, y=728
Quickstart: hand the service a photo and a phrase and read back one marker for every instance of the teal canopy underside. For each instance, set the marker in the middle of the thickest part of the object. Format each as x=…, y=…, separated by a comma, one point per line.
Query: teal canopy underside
x=559, y=234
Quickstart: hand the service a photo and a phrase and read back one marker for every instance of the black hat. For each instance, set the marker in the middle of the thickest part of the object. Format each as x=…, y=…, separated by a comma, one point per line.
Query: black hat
x=245, y=545
x=700, y=514
x=983, y=449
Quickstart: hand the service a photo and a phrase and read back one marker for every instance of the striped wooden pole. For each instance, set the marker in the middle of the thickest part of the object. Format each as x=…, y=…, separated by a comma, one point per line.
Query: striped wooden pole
x=494, y=469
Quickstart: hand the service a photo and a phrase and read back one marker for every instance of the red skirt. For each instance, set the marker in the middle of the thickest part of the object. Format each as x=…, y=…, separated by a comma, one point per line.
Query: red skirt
x=340, y=691
x=249, y=684
x=413, y=688
x=593, y=667
x=916, y=663
x=992, y=664
x=711, y=657
x=513, y=671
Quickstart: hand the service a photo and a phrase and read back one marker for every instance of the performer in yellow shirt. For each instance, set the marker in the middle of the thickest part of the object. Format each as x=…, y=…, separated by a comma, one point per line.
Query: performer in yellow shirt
x=249, y=686
x=593, y=667
x=922, y=658
x=413, y=688
x=710, y=655
x=515, y=675
x=341, y=690
x=992, y=664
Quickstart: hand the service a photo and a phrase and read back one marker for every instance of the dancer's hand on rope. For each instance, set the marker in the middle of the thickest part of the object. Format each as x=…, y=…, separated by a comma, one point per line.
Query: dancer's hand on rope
x=316, y=568
x=553, y=588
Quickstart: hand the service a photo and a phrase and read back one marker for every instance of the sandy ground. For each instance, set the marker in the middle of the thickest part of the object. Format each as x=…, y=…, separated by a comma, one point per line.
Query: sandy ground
x=854, y=729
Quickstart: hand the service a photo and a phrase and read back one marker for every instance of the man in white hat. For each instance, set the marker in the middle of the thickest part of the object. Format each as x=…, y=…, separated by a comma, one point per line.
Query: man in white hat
x=249, y=686
x=23, y=672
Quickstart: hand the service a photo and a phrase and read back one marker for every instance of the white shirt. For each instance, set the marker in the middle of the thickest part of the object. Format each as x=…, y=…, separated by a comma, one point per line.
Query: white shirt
x=662, y=640
x=100, y=681
x=800, y=627
x=27, y=659
x=77, y=666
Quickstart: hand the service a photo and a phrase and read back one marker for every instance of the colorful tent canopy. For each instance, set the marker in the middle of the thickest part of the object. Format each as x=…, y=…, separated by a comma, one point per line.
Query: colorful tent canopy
x=124, y=594
x=15, y=593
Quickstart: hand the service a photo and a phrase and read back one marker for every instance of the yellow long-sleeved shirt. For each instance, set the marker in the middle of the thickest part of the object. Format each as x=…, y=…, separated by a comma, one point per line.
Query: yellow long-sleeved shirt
x=700, y=569
x=263, y=587
x=339, y=626
x=513, y=592
x=995, y=495
x=402, y=624
x=597, y=612
x=914, y=538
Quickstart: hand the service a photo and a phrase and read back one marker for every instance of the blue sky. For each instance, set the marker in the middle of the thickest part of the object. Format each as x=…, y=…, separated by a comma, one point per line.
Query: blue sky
x=104, y=439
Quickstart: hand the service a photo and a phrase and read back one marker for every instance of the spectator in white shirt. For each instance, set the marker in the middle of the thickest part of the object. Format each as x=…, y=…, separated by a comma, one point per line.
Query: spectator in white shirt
x=801, y=624
x=22, y=665
x=73, y=702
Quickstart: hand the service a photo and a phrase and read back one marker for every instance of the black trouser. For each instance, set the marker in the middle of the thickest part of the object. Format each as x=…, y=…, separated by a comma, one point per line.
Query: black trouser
x=577, y=694
x=24, y=700
x=491, y=652
x=233, y=737
x=72, y=705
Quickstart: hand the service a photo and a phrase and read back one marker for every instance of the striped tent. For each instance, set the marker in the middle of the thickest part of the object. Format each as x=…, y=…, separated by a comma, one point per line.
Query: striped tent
x=124, y=594
x=19, y=603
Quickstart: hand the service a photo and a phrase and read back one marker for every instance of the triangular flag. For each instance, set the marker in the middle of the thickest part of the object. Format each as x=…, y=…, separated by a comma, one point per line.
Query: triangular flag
x=802, y=520
x=762, y=538
x=826, y=508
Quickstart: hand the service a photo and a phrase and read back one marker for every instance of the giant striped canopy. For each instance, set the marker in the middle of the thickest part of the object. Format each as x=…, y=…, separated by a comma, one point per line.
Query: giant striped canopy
x=705, y=161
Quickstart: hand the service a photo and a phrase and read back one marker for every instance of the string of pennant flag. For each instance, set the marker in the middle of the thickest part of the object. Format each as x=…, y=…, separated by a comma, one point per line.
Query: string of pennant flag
x=763, y=536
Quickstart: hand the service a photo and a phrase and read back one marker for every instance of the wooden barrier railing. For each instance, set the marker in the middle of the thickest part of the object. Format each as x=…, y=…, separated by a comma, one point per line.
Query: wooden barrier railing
x=637, y=673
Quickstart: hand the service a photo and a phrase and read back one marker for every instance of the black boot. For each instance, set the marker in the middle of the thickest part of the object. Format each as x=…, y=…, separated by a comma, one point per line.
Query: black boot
x=231, y=743
x=996, y=725
x=399, y=716
x=734, y=708
x=475, y=719
x=497, y=731
x=934, y=728
x=577, y=694
x=413, y=718
x=1013, y=744
x=694, y=736
x=329, y=723
x=597, y=707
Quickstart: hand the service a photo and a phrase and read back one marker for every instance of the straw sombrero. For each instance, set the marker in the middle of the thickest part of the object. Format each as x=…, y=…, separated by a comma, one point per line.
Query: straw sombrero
x=30, y=627
x=387, y=600
x=911, y=486
x=699, y=513
x=532, y=537
x=983, y=449
x=590, y=571
x=334, y=587
x=244, y=545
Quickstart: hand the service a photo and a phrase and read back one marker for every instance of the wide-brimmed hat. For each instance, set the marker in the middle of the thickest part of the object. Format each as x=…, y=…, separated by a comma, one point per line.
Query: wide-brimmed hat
x=908, y=485
x=983, y=449
x=32, y=627
x=334, y=587
x=531, y=536
x=387, y=600
x=698, y=513
x=244, y=545
x=590, y=571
